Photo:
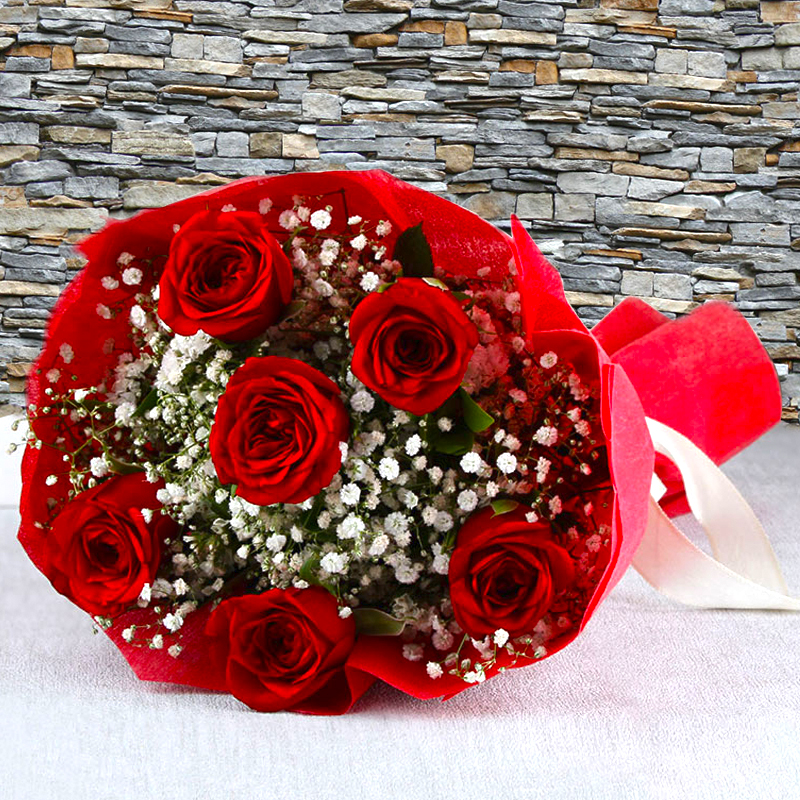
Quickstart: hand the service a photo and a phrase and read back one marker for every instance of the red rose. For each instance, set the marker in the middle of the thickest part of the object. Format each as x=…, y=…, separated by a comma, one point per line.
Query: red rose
x=284, y=649
x=277, y=430
x=226, y=275
x=100, y=551
x=411, y=344
x=505, y=572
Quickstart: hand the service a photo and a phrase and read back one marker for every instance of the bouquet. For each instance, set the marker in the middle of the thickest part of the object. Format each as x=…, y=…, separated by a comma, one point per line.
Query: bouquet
x=300, y=433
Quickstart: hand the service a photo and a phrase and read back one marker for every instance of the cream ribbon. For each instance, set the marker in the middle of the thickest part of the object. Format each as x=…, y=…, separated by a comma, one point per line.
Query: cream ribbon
x=744, y=572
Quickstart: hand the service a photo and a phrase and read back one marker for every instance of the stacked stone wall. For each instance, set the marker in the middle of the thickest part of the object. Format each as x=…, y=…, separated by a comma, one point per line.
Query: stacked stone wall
x=652, y=148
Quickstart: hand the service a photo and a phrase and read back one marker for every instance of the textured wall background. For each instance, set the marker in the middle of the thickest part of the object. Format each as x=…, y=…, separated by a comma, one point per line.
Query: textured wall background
x=654, y=148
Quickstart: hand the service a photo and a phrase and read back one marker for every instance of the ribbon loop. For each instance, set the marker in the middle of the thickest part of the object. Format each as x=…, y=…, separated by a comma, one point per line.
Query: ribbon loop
x=744, y=572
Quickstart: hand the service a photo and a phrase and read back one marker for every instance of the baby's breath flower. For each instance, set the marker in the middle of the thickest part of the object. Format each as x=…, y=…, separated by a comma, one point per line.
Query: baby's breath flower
x=549, y=360
x=388, y=469
x=362, y=401
x=467, y=500
x=546, y=435
x=333, y=562
x=132, y=276
x=500, y=637
x=434, y=670
x=506, y=463
x=320, y=219
x=369, y=282
x=359, y=242
x=350, y=494
x=471, y=462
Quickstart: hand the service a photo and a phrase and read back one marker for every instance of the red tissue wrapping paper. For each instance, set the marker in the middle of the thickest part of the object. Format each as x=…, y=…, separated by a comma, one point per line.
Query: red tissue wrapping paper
x=706, y=375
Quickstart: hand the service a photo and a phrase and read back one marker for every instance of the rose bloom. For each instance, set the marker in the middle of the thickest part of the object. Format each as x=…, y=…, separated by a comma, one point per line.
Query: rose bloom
x=505, y=572
x=284, y=649
x=277, y=430
x=226, y=275
x=412, y=344
x=100, y=551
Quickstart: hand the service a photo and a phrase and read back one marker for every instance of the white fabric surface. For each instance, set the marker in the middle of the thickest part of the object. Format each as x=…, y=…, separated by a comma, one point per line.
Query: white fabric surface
x=654, y=700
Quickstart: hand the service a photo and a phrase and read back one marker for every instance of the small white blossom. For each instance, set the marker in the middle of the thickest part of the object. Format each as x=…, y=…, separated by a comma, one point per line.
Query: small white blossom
x=264, y=206
x=379, y=545
x=123, y=259
x=350, y=527
x=500, y=637
x=99, y=467
x=549, y=360
x=175, y=650
x=383, y=228
x=103, y=311
x=132, y=276
x=546, y=435
x=413, y=652
x=138, y=317
x=444, y=424
x=51, y=480
x=532, y=517
x=173, y=622
x=157, y=642
x=555, y=505
x=492, y=489
x=388, y=469
x=288, y=220
x=345, y=612
x=506, y=463
x=370, y=282
x=145, y=594
x=362, y=401
x=434, y=670
x=413, y=445
x=354, y=220
x=582, y=428
x=333, y=563
x=471, y=462
x=128, y=634
x=109, y=283
x=350, y=494
x=320, y=219
x=53, y=375
x=359, y=242
x=467, y=500
x=66, y=352
x=443, y=522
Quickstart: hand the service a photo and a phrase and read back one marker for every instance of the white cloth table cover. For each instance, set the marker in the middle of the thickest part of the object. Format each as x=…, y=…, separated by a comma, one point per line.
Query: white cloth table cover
x=654, y=700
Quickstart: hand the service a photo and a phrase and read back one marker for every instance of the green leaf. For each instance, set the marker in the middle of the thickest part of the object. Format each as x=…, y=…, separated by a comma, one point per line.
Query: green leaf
x=149, y=401
x=503, y=507
x=308, y=572
x=121, y=467
x=476, y=418
x=373, y=622
x=292, y=310
x=414, y=253
x=437, y=284
x=453, y=443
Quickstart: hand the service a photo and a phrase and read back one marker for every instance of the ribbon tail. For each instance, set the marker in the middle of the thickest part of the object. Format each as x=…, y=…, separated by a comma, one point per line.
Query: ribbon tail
x=743, y=573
